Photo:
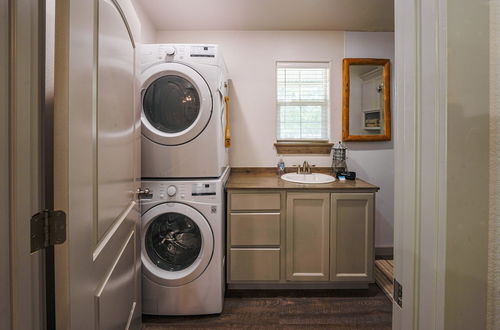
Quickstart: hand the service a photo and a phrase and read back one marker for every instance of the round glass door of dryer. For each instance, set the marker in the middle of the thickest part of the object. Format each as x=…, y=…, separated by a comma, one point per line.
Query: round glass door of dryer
x=176, y=104
x=177, y=244
x=171, y=104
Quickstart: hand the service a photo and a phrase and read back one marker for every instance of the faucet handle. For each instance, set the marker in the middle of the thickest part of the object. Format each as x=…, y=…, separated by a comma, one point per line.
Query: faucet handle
x=306, y=168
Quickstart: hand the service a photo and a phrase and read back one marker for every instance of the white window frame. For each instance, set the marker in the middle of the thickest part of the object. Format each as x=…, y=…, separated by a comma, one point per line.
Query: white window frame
x=304, y=64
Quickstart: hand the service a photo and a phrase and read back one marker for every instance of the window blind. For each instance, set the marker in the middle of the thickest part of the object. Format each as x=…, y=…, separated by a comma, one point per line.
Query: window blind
x=302, y=101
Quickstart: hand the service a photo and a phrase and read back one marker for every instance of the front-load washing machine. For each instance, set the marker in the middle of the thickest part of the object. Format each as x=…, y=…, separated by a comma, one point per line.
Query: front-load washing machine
x=183, y=247
x=183, y=98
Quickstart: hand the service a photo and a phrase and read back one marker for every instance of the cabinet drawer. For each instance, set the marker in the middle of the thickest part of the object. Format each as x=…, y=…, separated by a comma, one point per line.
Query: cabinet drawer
x=254, y=229
x=268, y=201
x=255, y=265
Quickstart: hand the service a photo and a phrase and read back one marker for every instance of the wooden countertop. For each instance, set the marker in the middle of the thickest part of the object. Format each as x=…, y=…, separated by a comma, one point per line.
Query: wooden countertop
x=266, y=178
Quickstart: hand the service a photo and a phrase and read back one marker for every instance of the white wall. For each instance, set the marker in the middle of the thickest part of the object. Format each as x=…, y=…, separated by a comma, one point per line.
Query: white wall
x=148, y=31
x=374, y=161
x=251, y=59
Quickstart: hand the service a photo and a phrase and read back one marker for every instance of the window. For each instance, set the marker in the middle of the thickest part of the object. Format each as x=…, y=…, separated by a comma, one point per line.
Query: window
x=302, y=101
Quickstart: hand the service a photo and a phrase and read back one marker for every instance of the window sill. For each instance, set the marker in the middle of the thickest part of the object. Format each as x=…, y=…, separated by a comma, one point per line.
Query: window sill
x=315, y=148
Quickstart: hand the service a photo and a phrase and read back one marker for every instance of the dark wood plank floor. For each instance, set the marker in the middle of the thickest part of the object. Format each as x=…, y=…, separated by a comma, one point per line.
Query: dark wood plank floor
x=297, y=309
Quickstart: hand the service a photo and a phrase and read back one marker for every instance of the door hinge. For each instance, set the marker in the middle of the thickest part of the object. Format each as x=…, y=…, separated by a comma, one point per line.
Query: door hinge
x=48, y=228
x=397, y=293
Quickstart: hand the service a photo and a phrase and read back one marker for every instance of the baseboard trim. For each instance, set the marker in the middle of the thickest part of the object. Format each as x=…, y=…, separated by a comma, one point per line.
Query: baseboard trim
x=297, y=286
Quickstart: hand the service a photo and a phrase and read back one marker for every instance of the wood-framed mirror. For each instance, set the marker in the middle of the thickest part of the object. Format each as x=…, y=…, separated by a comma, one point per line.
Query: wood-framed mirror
x=366, y=97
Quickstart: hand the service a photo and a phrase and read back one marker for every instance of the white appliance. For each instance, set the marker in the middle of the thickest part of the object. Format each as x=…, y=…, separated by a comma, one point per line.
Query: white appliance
x=183, y=247
x=183, y=90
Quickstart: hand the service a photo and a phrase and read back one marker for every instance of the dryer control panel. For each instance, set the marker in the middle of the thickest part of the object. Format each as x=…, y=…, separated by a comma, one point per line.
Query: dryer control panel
x=151, y=54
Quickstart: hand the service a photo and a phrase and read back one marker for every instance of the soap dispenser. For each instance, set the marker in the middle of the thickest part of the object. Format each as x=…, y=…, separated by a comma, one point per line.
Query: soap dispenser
x=280, y=167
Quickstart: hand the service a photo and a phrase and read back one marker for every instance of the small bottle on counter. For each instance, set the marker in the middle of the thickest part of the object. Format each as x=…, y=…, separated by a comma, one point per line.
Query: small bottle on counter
x=280, y=170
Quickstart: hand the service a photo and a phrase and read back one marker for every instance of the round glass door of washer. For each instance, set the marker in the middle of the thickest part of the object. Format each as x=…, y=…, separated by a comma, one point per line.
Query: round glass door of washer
x=177, y=244
x=176, y=104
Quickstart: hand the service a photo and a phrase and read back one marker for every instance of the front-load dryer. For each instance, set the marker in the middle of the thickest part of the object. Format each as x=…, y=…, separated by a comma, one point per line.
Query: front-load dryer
x=183, y=247
x=183, y=100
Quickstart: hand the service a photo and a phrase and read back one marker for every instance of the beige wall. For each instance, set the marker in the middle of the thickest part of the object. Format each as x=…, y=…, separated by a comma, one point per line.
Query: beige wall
x=468, y=145
x=4, y=170
x=251, y=57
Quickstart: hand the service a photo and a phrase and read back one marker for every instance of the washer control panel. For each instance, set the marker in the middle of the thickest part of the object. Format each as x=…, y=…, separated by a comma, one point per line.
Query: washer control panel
x=203, y=189
x=171, y=191
x=188, y=191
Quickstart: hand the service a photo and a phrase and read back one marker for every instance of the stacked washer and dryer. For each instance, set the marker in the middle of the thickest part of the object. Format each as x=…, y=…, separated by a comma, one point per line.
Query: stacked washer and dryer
x=185, y=168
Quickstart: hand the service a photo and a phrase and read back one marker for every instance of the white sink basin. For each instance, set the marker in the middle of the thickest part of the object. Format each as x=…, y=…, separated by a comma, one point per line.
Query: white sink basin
x=308, y=178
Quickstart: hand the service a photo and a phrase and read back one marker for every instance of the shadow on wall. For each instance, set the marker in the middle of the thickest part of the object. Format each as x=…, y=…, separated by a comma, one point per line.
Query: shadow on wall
x=237, y=121
x=374, y=162
x=467, y=214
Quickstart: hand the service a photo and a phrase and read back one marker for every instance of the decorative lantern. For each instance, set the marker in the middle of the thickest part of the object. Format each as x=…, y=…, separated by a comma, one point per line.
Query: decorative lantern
x=339, y=163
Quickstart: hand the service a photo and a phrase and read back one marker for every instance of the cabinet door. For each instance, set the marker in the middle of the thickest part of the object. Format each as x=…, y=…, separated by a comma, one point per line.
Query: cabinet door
x=352, y=237
x=307, y=236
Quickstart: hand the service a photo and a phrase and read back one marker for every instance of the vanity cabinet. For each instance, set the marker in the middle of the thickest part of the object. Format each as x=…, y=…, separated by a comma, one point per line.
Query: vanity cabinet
x=254, y=236
x=307, y=236
x=351, y=237
x=299, y=236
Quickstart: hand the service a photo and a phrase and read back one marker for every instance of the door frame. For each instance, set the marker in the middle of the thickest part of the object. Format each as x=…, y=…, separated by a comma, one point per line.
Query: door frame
x=420, y=162
x=5, y=308
x=22, y=91
x=425, y=30
x=493, y=315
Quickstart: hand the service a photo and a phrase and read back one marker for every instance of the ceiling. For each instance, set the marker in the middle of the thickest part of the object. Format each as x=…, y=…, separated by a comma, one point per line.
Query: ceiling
x=348, y=15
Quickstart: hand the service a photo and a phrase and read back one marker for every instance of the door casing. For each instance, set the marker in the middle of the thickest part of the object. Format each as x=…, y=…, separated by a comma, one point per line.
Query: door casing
x=420, y=162
x=440, y=45
x=5, y=307
x=21, y=161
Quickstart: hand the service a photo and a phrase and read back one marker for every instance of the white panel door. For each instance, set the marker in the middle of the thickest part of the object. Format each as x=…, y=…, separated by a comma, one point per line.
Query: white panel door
x=97, y=159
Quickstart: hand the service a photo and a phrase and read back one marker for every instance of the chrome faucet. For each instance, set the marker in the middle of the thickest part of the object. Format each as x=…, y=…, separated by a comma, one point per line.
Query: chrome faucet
x=304, y=169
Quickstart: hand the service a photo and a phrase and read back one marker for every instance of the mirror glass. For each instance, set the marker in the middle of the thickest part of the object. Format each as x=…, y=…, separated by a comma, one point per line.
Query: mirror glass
x=366, y=106
x=366, y=100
